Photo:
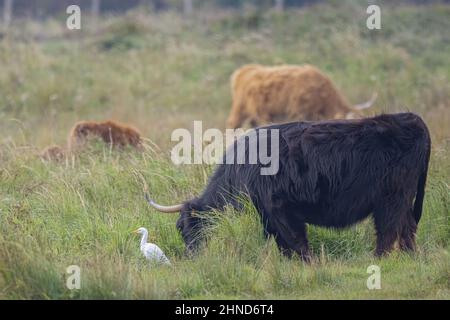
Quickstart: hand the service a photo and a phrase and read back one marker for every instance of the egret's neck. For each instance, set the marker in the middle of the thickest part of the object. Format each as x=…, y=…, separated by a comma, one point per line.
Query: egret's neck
x=144, y=238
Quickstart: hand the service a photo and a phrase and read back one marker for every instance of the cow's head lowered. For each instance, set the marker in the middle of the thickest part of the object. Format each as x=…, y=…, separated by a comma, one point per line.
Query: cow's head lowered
x=188, y=223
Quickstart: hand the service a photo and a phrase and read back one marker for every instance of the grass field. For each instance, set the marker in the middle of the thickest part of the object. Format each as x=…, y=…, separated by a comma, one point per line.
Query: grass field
x=161, y=73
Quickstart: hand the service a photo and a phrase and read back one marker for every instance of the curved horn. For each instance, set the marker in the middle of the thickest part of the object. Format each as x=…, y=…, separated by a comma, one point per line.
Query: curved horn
x=166, y=209
x=366, y=104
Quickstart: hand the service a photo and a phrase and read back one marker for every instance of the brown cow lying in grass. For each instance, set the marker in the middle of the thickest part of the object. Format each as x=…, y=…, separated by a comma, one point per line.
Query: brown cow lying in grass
x=264, y=94
x=111, y=132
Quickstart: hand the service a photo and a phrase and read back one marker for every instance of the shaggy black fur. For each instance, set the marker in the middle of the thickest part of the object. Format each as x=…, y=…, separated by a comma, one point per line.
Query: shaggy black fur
x=331, y=174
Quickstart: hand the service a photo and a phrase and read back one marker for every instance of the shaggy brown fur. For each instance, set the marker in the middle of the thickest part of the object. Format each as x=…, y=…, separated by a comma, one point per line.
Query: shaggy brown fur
x=111, y=132
x=52, y=153
x=264, y=94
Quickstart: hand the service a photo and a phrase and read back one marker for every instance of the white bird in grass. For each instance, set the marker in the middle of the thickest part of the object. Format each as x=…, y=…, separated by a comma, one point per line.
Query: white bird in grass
x=150, y=250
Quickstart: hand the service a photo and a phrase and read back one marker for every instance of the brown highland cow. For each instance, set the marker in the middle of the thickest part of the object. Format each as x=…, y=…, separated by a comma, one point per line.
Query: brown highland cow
x=111, y=132
x=263, y=94
x=52, y=153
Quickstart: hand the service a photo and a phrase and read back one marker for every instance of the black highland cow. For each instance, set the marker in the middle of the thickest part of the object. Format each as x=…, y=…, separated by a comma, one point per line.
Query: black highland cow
x=331, y=174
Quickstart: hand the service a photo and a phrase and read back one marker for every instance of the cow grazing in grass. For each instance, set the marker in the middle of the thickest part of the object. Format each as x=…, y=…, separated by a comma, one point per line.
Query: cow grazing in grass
x=332, y=174
x=263, y=95
x=111, y=132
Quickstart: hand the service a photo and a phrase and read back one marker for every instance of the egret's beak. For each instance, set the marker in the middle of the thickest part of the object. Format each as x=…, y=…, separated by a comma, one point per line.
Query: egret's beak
x=136, y=231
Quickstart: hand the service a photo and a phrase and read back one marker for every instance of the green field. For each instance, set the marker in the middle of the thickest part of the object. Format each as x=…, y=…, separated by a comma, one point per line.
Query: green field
x=162, y=72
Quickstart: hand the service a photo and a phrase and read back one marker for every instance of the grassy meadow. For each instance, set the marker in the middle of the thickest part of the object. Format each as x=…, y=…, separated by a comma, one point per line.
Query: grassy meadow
x=162, y=72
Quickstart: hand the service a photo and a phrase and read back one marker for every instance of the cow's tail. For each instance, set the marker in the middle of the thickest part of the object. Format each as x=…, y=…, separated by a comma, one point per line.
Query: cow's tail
x=418, y=203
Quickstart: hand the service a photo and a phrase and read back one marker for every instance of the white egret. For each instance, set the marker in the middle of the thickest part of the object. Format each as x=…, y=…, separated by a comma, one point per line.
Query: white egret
x=150, y=250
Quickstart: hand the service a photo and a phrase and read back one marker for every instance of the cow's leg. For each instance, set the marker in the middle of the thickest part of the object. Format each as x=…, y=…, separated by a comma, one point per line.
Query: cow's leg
x=385, y=241
x=300, y=242
x=283, y=245
x=269, y=231
x=261, y=119
x=254, y=123
x=287, y=226
x=389, y=220
x=407, y=240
